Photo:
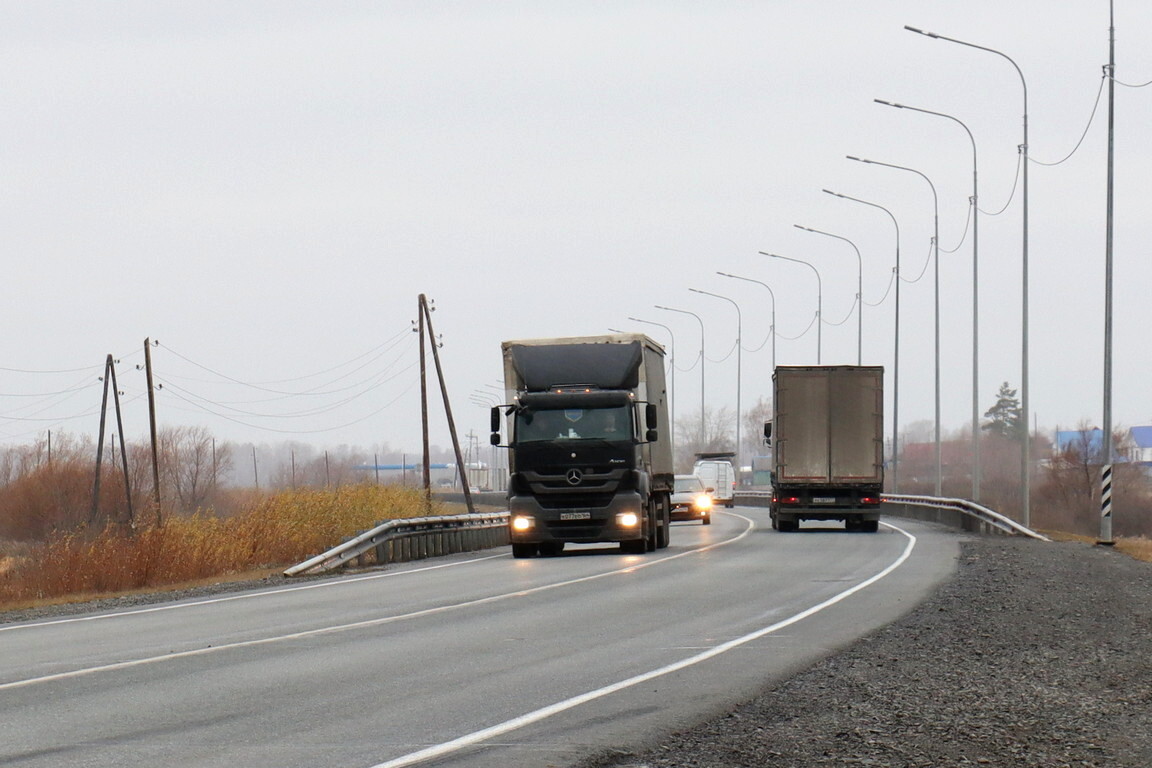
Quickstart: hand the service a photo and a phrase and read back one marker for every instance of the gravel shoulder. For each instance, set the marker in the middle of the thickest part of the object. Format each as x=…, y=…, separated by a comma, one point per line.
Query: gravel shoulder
x=1036, y=654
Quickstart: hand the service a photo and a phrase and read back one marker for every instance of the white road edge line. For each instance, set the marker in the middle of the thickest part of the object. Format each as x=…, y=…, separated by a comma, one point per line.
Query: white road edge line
x=369, y=622
x=245, y=596
x=471, y=739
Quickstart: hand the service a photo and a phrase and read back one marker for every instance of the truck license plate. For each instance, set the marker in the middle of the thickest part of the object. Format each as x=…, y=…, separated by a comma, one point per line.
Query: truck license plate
x=575, y=515
x=823, y=499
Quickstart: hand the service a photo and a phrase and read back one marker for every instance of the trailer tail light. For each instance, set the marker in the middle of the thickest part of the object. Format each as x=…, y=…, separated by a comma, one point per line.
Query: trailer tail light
x=788, y=500
x=870, y=500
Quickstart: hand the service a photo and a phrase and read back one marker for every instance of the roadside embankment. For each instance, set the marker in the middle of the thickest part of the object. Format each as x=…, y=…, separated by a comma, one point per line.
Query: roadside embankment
x=1037, y=654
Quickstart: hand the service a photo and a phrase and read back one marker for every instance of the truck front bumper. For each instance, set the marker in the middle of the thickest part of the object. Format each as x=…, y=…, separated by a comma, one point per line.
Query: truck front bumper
x=621, y=520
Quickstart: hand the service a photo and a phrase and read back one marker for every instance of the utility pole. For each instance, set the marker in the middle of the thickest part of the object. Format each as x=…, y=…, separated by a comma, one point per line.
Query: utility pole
x=447, y=406
x=427, y=469
x=111, y=369
x=99, y=449
x=152, y=431
x=109, y=379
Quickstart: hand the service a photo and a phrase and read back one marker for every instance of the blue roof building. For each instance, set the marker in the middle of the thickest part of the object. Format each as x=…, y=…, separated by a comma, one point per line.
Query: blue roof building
x=1141, y=448
x=1079, y=439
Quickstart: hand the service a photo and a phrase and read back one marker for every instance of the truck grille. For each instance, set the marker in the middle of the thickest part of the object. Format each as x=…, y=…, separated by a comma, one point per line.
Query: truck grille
x=574, y=481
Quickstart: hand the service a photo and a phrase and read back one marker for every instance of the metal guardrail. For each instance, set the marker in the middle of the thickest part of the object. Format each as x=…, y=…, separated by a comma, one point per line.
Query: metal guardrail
x=969, y=509
x=421, y=537
x=413, y=539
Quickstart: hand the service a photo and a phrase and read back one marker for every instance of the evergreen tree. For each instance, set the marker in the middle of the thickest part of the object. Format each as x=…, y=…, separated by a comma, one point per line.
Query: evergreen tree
x=1005, y=417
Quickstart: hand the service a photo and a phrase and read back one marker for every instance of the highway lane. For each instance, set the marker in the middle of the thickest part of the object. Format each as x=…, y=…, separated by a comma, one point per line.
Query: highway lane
x=525, y=662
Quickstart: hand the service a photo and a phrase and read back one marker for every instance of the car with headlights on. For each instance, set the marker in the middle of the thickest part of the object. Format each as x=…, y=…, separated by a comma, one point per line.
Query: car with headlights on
x=691, y=500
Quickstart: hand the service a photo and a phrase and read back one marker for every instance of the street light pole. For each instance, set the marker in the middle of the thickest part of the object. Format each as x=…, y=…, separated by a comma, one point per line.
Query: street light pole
x=739, y=365
x=699, y=320
x=1106, y=470
x=936, y=259
x=672, y=365
x=976, y=468
x=859, y=290
x=1026, y=452
x=819, y=296
x=772, y=328
x=896, y=344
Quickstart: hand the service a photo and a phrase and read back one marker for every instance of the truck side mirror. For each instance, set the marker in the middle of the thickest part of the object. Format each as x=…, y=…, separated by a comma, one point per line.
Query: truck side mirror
x=651, y=436
x=495, y=437
x=768, y=432
x=651, y=416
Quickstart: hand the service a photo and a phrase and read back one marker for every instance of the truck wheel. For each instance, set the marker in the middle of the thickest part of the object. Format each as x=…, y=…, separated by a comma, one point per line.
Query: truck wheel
x=664, y=530
x=706, y=520
x=787, y=526
x=869, y=526
x=523, y=550
x=551, y=549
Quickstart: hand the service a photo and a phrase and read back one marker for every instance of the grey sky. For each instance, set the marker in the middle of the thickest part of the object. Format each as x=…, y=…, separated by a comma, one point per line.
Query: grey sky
x=267, y=187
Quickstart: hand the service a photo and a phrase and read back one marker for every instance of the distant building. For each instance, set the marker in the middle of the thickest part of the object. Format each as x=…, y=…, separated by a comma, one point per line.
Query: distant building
x=1076, y=440
x=1140, y=449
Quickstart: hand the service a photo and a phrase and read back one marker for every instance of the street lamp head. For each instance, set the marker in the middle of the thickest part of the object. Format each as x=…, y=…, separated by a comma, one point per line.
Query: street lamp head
x=830, y=192
x=806, y=229
x=888, y=103
x=920, y=31
x=857, y=159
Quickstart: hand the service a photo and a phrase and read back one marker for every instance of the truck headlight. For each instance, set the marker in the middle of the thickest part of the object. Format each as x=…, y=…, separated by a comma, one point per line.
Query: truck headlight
x=703, y=503
x=627, y=519
x=523, y=523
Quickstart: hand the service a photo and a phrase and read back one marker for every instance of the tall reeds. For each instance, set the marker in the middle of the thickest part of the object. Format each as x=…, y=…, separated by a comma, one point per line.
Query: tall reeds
x=270, y=532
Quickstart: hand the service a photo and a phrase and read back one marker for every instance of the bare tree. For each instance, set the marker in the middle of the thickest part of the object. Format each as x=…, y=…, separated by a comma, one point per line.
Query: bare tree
x=713, y=430
x=190, y=466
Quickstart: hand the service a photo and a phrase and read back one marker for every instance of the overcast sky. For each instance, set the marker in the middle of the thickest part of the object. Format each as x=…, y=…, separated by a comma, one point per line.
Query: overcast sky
x=266, y=187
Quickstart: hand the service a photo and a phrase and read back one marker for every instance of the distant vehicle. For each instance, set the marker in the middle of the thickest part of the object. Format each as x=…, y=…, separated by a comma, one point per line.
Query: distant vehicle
x=717, y=472
x=828, y=445
x=589, y=444
x=691, y=499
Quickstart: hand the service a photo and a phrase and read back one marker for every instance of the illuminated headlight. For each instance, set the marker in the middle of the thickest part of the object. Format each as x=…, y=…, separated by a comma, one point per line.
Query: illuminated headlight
x=702, y=503
x=628, y=519
x=523, y=523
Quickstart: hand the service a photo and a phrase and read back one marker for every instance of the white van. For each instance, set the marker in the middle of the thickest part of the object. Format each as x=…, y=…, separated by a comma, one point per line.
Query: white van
x=720, y=475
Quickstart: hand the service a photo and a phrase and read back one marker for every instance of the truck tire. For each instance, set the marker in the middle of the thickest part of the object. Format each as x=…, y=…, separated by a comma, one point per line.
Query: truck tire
x=869, y=526
x=551, y=549
x=787, y=526
x=523, y=550
x=664, y=531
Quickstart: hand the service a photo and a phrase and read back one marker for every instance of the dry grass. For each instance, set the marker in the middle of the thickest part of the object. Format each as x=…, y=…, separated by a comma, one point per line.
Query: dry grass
x=1137, y=547
x=274, y=531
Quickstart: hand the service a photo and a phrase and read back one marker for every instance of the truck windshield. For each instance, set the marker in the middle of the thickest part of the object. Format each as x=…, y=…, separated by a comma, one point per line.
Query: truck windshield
x=534, y=425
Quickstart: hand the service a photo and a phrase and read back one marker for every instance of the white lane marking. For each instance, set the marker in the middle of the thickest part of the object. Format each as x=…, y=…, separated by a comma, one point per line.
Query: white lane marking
x=245, y=596
x=471, y=739
x=370, y=622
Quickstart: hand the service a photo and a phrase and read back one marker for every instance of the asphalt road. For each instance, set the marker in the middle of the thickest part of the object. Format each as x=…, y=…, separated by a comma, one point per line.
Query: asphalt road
x=473, y=660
